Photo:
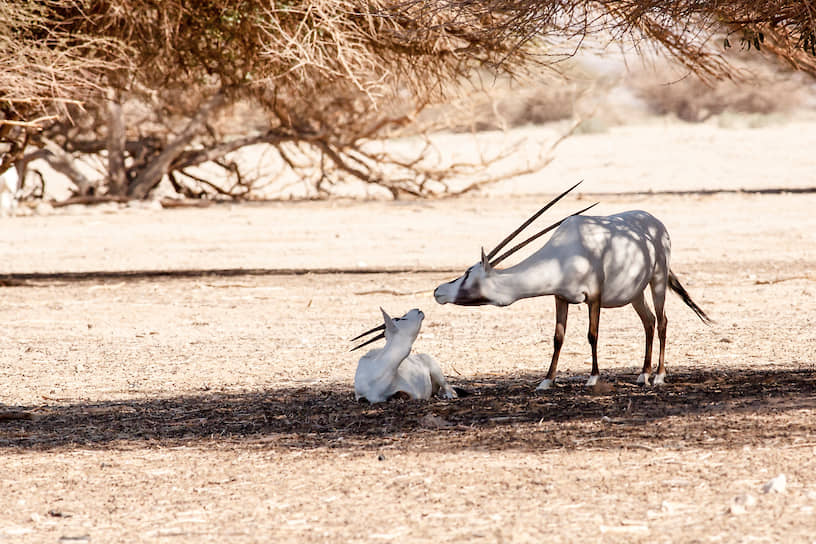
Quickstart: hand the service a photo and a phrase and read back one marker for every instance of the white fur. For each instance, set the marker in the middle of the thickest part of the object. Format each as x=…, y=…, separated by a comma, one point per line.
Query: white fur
x=592, y=381
x=544, y=385
x=382, y=373
x=659, y=379
x=9, y=191
x=643, y=379
x=612, y=258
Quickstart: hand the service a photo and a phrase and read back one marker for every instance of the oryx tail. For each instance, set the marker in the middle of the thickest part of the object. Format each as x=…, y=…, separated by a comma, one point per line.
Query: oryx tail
x=678, y=288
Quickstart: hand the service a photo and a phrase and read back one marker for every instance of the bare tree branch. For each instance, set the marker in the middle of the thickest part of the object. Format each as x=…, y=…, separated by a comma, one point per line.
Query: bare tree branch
x=151, y=176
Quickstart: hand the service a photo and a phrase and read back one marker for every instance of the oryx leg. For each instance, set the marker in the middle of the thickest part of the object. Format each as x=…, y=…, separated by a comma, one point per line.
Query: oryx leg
x=659, y=299
x=648, y=319
x=592, y=336
x=561, y=311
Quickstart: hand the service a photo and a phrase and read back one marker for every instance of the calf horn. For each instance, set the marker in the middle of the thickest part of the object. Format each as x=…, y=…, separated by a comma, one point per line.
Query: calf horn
x=378, y=337
x=369, y=331
x=377, y=328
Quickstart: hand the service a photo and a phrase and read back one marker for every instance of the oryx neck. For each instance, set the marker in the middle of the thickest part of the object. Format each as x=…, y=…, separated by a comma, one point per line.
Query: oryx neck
x=531, y=277
x=396, y=350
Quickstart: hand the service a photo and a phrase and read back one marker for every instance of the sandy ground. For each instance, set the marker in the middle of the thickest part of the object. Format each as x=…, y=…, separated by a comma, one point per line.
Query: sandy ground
x=218, y=406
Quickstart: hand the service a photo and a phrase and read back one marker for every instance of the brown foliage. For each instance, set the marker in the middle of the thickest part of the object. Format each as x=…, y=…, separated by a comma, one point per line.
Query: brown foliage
x=42, y=69
x=321, y=72
x=683, y=27
x=300, y=49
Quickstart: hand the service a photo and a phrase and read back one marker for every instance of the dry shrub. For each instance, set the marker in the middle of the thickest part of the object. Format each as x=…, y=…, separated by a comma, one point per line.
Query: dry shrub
x=683, y=28
x=764, y=88
x=504, y=107
x=531, y=106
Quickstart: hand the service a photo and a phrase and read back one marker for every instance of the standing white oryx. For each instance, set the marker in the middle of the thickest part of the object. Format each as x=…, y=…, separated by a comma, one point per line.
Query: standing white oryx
x=393, y=370
x=601, y=261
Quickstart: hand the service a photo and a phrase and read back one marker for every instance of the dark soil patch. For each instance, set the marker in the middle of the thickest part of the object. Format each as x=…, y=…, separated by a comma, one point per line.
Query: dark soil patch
x=714, y=409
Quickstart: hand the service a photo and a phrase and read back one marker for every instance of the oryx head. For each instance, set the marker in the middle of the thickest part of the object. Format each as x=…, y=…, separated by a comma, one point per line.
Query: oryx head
x=471, y=288
x=405, y=328
x=475, y=287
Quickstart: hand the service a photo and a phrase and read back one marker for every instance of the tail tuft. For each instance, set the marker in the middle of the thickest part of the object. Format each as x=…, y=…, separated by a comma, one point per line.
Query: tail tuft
x=462, y=392
x=677, y=287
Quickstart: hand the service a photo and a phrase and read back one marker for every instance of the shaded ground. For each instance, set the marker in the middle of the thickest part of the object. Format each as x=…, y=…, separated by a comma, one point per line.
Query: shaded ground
x=732, y=408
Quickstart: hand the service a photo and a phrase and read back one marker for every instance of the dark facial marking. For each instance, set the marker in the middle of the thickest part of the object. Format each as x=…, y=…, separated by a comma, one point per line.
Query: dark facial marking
x=463, y=301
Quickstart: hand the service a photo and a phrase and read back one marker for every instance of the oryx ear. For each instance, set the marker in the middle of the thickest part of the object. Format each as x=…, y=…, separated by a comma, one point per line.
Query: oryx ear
x=485, y=263
x=389, y=323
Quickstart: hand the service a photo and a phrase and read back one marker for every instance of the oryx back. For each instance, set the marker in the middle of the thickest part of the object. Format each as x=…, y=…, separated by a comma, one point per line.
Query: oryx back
x=612, y=258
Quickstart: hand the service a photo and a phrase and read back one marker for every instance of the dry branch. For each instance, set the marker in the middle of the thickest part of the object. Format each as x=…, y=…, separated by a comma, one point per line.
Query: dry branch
x=151, y=176
x=321, y=72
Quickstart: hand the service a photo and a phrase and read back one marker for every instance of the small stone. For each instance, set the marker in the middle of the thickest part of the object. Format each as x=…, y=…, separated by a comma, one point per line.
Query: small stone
x=776, y=485
x=668, y=507
x=58, y=514
x=737, y=509
x=434, y=422
x=741, y=503
x=601, y=388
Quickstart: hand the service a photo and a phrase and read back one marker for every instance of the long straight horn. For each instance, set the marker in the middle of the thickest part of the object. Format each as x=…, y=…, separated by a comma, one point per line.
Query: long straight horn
x=534, y=237
x=526, y=223
x=378, y=337
x=369, y=331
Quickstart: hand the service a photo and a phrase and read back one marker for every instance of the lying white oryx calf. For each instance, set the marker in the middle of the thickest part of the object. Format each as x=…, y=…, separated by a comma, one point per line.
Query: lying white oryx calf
x=385, y=372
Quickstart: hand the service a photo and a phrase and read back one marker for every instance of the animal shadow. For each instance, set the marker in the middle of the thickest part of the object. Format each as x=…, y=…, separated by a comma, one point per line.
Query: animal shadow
x=696, y=408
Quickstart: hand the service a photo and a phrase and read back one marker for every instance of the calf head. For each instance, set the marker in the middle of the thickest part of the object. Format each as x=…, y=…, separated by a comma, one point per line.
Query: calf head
x=405, y=328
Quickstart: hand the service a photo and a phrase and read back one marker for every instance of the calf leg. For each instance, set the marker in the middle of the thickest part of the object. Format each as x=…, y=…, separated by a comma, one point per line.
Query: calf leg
x=439, y=385
x=592, y=336
x=648, y=319
x=561, y=311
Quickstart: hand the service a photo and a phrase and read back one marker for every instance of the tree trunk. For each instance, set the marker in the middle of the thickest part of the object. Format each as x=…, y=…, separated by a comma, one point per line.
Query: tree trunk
x=63, y=162
x=117, y=182
x=147, y=180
